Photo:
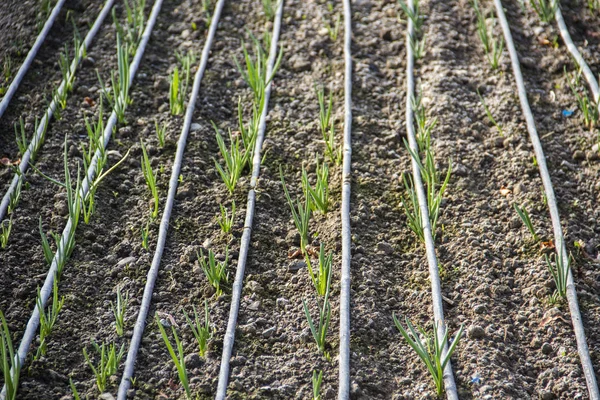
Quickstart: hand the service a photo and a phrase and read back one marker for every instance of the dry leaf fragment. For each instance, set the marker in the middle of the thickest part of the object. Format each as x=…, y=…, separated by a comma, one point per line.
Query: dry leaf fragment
x=505, y=192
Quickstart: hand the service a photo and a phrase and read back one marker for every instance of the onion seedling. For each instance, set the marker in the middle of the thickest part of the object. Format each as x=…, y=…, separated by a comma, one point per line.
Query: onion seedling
x=489, y=114
x=150, y=178
x=590, y=111
x=15, y=196
x=48, y=318
x=235, y=159
x=178, y=358
x=135, y=22
x=74, y=390
x=319, y=331
x=319, y=196
x=317, y=380
x=424, y=126
x=119, y=311
x=545, y=9
x=6, y=227
x=179, y=87
x=269, y=8
x=430, y=350
x=492, y=46
x=249, y=133
x=145, y=235
x=108, y=364
x=322, y=276
x=524, y=215
x=202, y=332
x=9, y=361
x=21, y=137
x=226, y=221
x=6, y=75
x=327, y=126
x=560, y=273
x=334, y=30
x=215, y=271
x=417, y=45
x=118, y=96
x=160, y=132
x=300, y=213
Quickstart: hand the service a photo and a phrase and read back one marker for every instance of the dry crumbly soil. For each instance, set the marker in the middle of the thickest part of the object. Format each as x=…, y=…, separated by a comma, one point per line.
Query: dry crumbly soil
x=517, y=345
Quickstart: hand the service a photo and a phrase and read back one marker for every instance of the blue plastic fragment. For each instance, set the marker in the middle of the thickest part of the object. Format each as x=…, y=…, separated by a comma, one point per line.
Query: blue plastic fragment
x=476, y=379
x=567, y=113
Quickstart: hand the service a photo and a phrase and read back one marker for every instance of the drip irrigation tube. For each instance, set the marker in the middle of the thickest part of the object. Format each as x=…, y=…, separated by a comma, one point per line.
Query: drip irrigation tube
x=140, y=324
x=344, y=366
x=30, y=57
x=582, y=347
x=587, y=72
x=46, y=290
x=434, y=275
x=39, y=134
x=245, y=241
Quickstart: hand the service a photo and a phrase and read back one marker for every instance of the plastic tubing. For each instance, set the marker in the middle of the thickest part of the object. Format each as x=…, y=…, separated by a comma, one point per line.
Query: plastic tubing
x=587, y=72
x=46, y=290
x=39, y=134
x=30, y=57
x=434, y=275
x=344, y=366
x=582, y=347
x=140, y=324
x=238, y=283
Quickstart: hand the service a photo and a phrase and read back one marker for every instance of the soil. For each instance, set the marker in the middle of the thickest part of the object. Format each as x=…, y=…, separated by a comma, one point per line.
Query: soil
x=518, y=344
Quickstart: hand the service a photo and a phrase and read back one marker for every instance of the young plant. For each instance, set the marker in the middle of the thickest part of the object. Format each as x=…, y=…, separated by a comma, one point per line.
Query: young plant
x=545, y=9
x=179, y=87
x=108, y=364
x=589, y=110
x=492, y=46
x=206, y=7
x=249, y=132
x=524, y=215
x=15, y=196
x=417, y=38
x=48, y=318
x=118, y=96
x=424, y=125
x=5, y=228
x=235, y=159
x=215, y=271
x=119, y=311
x=135, y=22
x=560, y=273
x=150, y=178
x=178, y=358
x=145, y=235
x=333, y=31
x=322, y=276
x=202, y=332
x=300, y=212
x=9, y=360
x=6, y=76
x=74, y=390
x=319, y=331
x=226, y=220
x=319, y=196
x=327, y=126
x=161, y=131
x=489, y=114
x=269, y=8
x=21, y=137
x=430, y=350
x=317, y=380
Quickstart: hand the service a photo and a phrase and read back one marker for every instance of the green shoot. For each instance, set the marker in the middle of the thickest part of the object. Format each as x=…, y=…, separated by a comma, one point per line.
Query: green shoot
x=589, y=111
x=300, y=213
x=15, y=196
x=6, y=75
x=145, y=235
x=317, y=380
x=524, y=215
x=333, y=31
x=431, y=350
x=48, y=253
x=269, y=8
x=178, y=358
x=48, y=318
x=226, y=221
x=202, y=332
x=5, y=228
x=319, y=331
x=424, y=126
x=134, y=27
x=492, y=46
x=235, y=160
x=150, y=178
x=9, y=360
x=560, y=274
x=179, y=87
x=215, y=271
x=161, y=130
x=489, y=114
x=319, y=196
x=545, y=9
x=249, y=133
x=108, y=364
x=74, y=390
x=417, y=45
x=322, y=276
x=119, y=311
x=206, y=7
x=118, y=96
x=327, y=126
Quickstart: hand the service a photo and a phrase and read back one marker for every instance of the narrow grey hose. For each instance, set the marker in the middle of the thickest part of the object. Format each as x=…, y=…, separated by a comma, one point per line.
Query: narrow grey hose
x=344, y=366
x=587, y=72
x=138, y=330
x=434, y=275
x=30, y=57
x=36, y=141
x=582, y=347
x=238, y=283
x=46, y=290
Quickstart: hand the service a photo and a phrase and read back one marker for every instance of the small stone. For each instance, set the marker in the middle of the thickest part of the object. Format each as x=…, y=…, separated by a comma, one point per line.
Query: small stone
x=296, y=266
x=479, y=308
x=592, y=155
x=281, y=302
x=88, y=62
x=254, y=287
x=267, y=333
x=519, y=188
x=161, y=83
x=498, y=141
x=193, y=361
x=578, y=155
x=596, y=148
x=106, y=396
x=475, y=332
x=515, y=223
x=385, y=248
x=546, y=348
x=254, y=306
x=186, y=34
x=547, y=395
x=195, y=127
x=126, y=261
x=299, y=64
x=460, y=170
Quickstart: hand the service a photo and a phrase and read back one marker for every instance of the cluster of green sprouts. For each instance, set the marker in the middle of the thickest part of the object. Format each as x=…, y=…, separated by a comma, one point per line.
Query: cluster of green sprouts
x=417, y=37
x=317, y=380
x=327, y=126
x=524, y=215
x=545, y=9
x=489, y=115
x=150, y=177
x=333, y=30
x=48, y=318
x=559, y=269
x=108, y=360
x=9, y=360
x=119, y=310
x=118, y=95
x=179, y=84
x=589, y=109
x=492, y=46
x=133, y=29
x=7, y=74
x=215, y=271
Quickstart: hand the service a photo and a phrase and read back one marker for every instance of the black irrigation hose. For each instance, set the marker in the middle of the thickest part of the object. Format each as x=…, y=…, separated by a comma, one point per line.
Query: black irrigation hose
x=46, y=290
x=140, y=324
x=39, y=134
x=587, y=72
x=582, y=347
x=344, y=366
x=30, y=57
x=434, y=275
x=238, y=283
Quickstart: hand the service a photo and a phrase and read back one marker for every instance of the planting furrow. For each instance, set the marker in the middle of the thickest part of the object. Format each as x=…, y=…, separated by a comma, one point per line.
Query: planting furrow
x=164, y=225
x=38, y=138
x=64, y=243
x=563, y=258
x=229, y=337
x=344, y=366
x=12, y=89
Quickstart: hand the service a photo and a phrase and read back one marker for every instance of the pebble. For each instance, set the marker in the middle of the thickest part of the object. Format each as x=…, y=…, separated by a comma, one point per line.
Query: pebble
x=106, y=396
x=125, y=261
x=546, y=395
x=385, y=248
x=195, y=127
x=479, y=308
x=546, y=348
x=299, y=64
x=254, y=306
x=193, y=360
x=475, y=332
x=578, y=155
x=267, y=333
x=281, y=302
x=296, y=266
x=519, y=188
x=254, y=287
